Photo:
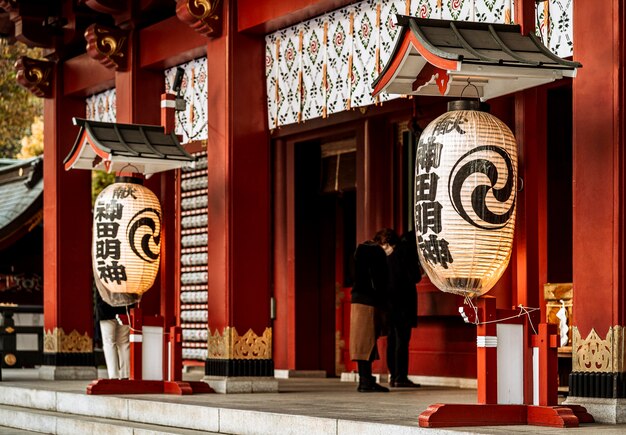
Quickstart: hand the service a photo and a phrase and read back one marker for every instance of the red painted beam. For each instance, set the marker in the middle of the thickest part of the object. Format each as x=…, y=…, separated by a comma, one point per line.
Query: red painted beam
x=269, y=15
x=168, y=43
x=84, y=76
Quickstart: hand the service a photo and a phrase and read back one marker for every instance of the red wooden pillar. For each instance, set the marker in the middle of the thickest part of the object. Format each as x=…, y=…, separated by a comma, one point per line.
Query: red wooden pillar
x=548, y=366
x=68, y=312
x=531, y=226
x=239, y=184
x=487, y=351
x=138, y=101
x=135, y=320
x=374, y=180
x=284, y=327
x=599, y=266
x=530, y=256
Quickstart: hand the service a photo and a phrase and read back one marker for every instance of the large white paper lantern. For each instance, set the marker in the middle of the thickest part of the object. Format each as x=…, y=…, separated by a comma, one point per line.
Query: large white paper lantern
x=465, y=197
x=126, y=237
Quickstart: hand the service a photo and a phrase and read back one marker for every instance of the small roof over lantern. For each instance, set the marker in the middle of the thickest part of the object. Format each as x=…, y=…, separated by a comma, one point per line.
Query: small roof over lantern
x=440, y=57
x=110, y=147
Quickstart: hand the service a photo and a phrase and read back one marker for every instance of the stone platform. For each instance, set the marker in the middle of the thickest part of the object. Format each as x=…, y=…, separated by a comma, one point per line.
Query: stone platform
x=302, y=406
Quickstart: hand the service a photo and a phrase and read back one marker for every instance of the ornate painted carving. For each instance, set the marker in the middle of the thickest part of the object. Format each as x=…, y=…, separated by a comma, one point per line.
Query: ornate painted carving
x=597, y=355
x=57, y=341
x=35, y=75
x=203, y=16
x=230, y=345
x=108, y=46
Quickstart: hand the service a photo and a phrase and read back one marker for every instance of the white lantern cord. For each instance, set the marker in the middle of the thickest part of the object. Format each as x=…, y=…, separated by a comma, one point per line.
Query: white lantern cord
x=523, y=311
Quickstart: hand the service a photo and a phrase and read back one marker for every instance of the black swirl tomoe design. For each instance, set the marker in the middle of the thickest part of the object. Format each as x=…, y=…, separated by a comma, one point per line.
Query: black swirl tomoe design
x=141, y=218
x=479, y=194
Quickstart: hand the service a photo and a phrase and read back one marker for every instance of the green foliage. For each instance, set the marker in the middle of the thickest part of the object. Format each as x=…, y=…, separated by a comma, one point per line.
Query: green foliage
x=99, y=180
x=18, y=107
x=33, y=145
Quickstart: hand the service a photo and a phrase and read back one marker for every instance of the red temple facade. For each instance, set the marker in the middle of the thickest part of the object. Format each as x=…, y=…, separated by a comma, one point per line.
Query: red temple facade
x=259, y=235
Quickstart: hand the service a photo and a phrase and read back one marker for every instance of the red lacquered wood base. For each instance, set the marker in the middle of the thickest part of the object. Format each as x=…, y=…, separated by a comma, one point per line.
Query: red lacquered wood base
x=129, y=386
x=457, y=415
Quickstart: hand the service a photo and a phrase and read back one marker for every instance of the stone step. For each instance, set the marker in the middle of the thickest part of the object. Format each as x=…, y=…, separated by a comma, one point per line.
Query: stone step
x=21, y=420
x=122, y=410
x=66, y=412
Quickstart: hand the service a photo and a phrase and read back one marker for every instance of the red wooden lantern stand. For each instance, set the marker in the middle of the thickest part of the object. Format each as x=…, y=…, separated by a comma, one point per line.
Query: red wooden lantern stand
x=171, y=380
x=540, y=399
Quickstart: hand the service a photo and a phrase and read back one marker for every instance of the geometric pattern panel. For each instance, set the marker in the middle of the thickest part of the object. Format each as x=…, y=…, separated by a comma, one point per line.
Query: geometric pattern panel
x=101, y=106
x=554, y=26
x=191, y=123
x=327, y=64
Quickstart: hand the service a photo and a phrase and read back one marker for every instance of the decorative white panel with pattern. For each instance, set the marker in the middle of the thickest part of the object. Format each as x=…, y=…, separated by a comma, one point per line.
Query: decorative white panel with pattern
x=101, y=107
x=327, y=64
x=191, y=123
x=313, y=73
x=365, y=45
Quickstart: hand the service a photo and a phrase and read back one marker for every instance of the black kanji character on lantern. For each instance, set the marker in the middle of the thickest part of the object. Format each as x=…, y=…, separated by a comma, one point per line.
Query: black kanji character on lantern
x=428, y=216
x=426, y=187
x=429, y=153
x=109, y=211
x=113, y=272
x=435, y=250
x=122, y=192
x=106, y=229
x=108, y=248
x=453, y=121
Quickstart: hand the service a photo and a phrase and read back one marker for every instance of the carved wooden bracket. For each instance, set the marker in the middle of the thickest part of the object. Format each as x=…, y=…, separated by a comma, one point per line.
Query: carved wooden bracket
x=111, y=7
x=8, y=5
x=35, y=75
x=108, y=46
x=28, y=22
x=203, y=16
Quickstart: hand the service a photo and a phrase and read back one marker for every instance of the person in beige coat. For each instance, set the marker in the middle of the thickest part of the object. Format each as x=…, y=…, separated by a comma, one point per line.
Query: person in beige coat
x=369, y=305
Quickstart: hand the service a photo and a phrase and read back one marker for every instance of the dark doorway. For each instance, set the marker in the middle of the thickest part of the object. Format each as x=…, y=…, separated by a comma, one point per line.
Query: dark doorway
x=325, y=238
x=559, y=184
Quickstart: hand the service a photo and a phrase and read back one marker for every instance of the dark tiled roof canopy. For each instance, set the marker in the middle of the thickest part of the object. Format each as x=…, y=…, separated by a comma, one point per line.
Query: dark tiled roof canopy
x=112, y=146
x=437, y=57
x=21, y=198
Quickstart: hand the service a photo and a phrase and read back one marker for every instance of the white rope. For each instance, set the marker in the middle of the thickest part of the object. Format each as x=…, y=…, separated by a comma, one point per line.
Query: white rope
x=140, y=331
x=523, y=311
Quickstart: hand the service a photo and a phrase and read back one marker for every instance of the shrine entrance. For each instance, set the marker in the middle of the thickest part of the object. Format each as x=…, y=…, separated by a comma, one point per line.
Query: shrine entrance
x=325, y=239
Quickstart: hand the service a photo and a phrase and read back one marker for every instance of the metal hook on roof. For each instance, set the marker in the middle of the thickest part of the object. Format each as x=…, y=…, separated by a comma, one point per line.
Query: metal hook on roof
x=128, y=165
x=469, y=83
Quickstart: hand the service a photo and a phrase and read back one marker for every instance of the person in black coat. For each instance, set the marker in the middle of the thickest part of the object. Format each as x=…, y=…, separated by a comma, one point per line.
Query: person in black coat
x=404, y=272
x=368, y=308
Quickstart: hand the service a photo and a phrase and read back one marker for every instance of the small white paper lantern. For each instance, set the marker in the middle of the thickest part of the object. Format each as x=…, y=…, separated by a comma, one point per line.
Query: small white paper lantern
x=126, y=237
x=465, y=198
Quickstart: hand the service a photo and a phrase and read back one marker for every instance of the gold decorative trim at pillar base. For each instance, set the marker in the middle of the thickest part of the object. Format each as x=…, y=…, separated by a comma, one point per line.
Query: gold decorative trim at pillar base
x=596, y=355
x=57, y=341
x=230, y=345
